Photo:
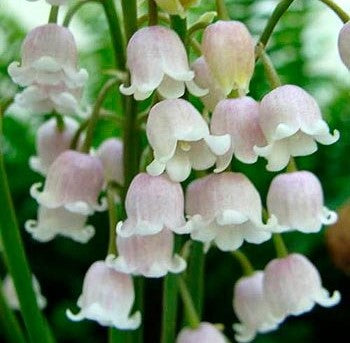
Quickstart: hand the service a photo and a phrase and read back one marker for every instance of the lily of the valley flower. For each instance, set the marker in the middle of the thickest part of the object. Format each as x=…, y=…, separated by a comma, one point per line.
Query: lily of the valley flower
x=74, y=181
x=150, y=256
x=176, y=7
x=157, y=59
x=181, y=140
x=292, y=124
x=107, y=298
x=204, y=333
x=226, y=209
x=153, y=203
x=296, y=200
x=343, y=44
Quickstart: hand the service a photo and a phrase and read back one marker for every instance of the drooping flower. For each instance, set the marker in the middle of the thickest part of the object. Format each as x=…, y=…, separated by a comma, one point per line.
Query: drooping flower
x=110, y=152
x=204, y=79
x=239, y=118
x=157, y=59
x=107, y=298
x=296, y=200
x=10, y=294
x=252, y=309
x=150, y=256
x=204, y=333
x=228, y=48
x=181, y=140
x=292, y=286
x=59, y=221
x=292, y=123
x=176, y=7
x=51, y=141
x=153, y=203
x=74, y=181
x=226, y=209
x=343, y=44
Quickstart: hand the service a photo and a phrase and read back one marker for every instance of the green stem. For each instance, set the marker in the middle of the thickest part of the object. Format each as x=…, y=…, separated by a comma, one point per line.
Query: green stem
x=161, y=17
x=344, y=17
x=179, y=25
x=270, y=71
x=246, y=265
x=292, y=166
x=53, y=14
x=95, y=113
x=130, y=17
x=222, y=10
x=190, y=311
x=152, y=13
x=281, y=249
x=8, y=322
x=112, y=216
x=16, y=261
x=74, y=9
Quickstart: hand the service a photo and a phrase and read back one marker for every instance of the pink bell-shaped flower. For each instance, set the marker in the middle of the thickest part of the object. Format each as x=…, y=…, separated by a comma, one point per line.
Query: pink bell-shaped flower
x=204, y=333
x=181, y=140
x=292, y=124
x=153, y=203
x=343, y=44
x=74, y=181
x=226, y=209
x=110, y=152
x=157, y=59
x=10, y=294
x=292, y=286
x=229, y=50
x=204, y=79
x=51, y=141
x=49, y=57
x=107, y=298
x=151, y=256
x=239, y=118
x=252, y=309
x=59, y=221
x=296, y=200
x=176, y=7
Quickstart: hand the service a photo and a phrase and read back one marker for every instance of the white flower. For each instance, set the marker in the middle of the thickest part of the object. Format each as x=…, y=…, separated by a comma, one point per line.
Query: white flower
x=204, y=333
x=344, y=45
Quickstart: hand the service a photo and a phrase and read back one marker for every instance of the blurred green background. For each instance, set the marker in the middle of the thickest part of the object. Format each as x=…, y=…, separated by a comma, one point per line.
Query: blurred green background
x=302, y=52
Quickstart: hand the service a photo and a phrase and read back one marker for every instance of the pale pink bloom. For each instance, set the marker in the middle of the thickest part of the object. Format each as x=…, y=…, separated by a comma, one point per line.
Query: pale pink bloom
x=157, y=59
x=74, y=181
x=110, y=152
x=204, y=79
x=296, y=200
x=229, y=50
x=59, y=221
x=176, y=7
x=204, y=333
x=107, y=298
x=344, y=44
x=150, y=256
x=10, y=294
x=49, y=57
x=292, y=123
x=252, y=309
x=239, y=118
x=153, y=203
x=292, y=286
x=51, y=141
x=181, y=140
x=226, y=209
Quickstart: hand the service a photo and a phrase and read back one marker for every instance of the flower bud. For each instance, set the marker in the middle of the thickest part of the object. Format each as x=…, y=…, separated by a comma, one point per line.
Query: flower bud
x=10, y=294
x=228, y=48
x=252, y=309
x=296, y=200
x=344, y=45
x=59, y=221
x=150, y=256
x=51, y=141
x=292, y=124
x=181, y=140
x=204, y=79
x=74, y=181
x=176, y=7
x=225, y=209
x=157, y=59
x=107, y=298
x=239, y=118
x=153, y=203
x=204, y=333
x=292, y=286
